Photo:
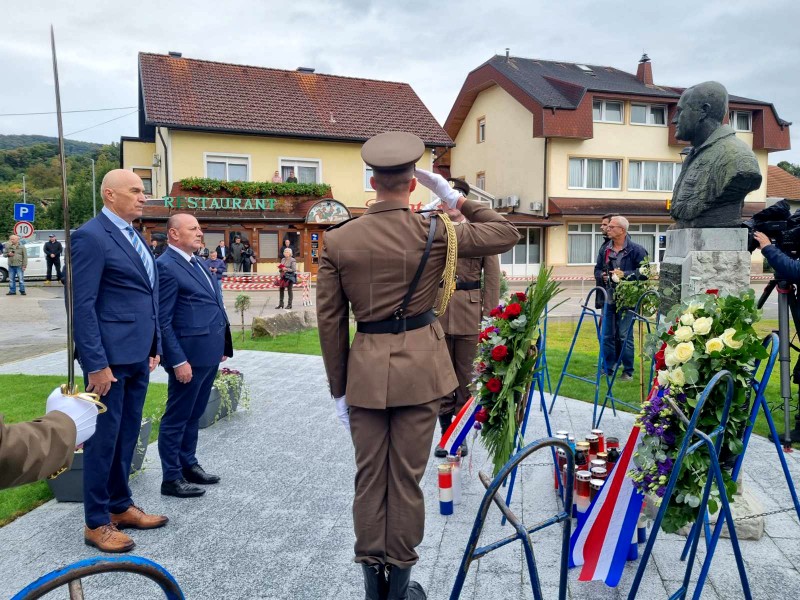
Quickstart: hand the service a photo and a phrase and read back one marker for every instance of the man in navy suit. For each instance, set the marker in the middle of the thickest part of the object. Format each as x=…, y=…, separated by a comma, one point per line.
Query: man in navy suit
x=117, y=343
x=196, y=337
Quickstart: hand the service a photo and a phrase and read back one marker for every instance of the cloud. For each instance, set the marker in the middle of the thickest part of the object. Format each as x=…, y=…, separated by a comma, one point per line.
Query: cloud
x=752, y=49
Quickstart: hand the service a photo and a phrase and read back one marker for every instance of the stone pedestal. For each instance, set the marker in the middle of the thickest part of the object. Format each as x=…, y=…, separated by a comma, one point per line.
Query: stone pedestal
x=700, y=259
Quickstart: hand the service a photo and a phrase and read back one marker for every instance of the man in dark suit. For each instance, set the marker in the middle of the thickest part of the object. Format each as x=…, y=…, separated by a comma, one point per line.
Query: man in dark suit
x=118, y=344
x=223, y=252
x=196, y=337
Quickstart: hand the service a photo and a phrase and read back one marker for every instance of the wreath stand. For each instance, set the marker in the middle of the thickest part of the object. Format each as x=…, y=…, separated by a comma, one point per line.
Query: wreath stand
x=759, y=404
x=712, y=442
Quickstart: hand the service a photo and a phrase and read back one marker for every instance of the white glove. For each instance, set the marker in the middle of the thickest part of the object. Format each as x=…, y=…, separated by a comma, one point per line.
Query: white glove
x=431, y=206
x=439, y=186
x=343, y=412
x=83, y=413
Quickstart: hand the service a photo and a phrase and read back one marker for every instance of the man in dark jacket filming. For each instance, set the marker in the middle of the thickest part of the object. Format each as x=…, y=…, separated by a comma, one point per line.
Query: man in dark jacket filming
x=786, y=268
x=620, y=260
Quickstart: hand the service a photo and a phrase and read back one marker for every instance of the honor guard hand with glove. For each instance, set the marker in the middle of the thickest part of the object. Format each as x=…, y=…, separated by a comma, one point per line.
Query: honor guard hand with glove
x=439, y=186
x=83, y=413
x=343, y=412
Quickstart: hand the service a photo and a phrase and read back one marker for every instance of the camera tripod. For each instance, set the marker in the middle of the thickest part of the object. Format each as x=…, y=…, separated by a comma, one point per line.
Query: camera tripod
x=787, y=303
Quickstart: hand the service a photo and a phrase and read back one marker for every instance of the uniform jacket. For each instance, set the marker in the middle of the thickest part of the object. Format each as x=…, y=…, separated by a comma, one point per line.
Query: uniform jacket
x=53, y=248
x=20, y=255
x=35, y=449
x=116, y=308
x=194, y=326
x=467, y=307
x=369, y=263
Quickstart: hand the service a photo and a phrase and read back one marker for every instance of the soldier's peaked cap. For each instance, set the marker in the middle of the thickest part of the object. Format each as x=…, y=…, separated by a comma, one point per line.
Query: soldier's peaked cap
x=392, y=150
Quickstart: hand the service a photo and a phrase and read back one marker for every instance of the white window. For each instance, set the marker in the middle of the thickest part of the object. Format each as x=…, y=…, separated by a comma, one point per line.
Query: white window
x=146, y=175
x=607, y=111
x=584, y=241
x=741, y=120
x=228, y=167
x=481, y=130
x=594, y=173
x=652, y=176
x=367, y=175
x=480, y=180
x=649, y=114
x=306, y=170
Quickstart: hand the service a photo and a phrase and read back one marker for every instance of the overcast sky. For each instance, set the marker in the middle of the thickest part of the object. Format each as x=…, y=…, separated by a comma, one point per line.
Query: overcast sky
x=751, y=47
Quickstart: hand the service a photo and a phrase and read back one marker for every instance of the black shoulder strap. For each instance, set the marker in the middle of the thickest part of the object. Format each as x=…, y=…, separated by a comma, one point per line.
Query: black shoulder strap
x=400, y=312
x=332, y=227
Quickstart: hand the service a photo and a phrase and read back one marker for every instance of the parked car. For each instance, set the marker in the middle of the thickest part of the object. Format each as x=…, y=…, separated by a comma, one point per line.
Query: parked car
x=37, y=265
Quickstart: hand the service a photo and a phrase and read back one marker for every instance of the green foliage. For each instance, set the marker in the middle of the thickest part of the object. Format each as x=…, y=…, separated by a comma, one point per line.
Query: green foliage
x=10, y=142
x=790, y=167
x=230, y=384
x=628, y=291
x=241, y=305
x=253, y=189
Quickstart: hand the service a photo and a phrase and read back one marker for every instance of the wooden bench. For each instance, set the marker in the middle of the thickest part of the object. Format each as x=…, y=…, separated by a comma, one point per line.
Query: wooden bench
x=255, y=282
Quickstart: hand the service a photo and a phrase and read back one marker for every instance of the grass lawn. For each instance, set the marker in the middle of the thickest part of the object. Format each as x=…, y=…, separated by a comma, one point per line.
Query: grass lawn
x=23, y=399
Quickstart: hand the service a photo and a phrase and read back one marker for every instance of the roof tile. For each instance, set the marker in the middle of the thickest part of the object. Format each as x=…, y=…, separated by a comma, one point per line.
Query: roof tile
x=781, y=184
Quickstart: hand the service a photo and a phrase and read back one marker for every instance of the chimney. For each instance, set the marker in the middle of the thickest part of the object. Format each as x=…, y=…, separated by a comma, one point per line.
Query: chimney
x=174, y=54
x=645, y=71
x=305, y=69
x=507, y=51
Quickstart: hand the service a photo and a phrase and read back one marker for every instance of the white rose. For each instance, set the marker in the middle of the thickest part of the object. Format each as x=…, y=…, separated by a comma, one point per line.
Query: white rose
x=687, y=319
x=663, y=378
x=684, y=351
x=703, y=325
x=615, y=278
x=683, y=334
x=693, y=307
x=714, y=345
x=643, y=270
x=669, y=356
x=677, y=378
x=727, y=339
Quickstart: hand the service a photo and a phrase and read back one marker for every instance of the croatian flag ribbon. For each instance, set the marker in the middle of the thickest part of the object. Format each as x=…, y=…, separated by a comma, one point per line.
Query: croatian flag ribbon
x=459, y=428
x=602, y=540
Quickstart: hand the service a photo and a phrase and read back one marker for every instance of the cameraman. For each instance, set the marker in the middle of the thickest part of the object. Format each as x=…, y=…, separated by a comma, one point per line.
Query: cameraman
x=620, y=260
x=786, y=268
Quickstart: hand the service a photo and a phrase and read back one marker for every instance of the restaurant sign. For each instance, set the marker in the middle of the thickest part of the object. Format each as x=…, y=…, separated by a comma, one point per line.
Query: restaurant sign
x=219, y=203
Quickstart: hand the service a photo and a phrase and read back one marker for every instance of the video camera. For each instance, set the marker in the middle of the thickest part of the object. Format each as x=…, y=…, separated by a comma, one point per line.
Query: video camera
x=779, y=225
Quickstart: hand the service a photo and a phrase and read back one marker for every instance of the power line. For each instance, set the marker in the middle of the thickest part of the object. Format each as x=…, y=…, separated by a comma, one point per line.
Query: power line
x=103, y=123
x=86, y=110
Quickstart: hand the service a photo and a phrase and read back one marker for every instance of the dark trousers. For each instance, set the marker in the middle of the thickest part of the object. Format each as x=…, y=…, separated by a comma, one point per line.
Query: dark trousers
x=51, y=263
x=462, y=350
x=107, y=454
x=177, y=436
x=246, y=265
x=289, y=288
x=615, y=326
x=391, y=448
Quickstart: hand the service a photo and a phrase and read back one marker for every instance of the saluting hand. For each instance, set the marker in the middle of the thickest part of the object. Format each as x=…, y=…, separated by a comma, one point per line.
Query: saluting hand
x=439, y=186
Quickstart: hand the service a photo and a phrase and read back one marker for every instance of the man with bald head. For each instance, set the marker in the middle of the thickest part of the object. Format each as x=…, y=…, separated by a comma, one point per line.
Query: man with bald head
x=196, y=337
x=117, y=343
x=720, y=169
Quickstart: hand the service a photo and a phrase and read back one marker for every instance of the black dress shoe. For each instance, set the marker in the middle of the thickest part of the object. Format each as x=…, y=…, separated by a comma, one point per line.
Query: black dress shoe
x=196, y=474
x=180, y=488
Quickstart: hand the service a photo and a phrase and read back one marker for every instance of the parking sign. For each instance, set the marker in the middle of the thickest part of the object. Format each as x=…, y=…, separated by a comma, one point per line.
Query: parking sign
x=24, y=212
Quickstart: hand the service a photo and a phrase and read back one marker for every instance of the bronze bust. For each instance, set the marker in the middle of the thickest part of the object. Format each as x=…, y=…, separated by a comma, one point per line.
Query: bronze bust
x=720, y=169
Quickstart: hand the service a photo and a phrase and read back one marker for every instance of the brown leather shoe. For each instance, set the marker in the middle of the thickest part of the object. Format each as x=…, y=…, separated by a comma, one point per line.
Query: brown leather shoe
x=107, y=538
x=136, y=518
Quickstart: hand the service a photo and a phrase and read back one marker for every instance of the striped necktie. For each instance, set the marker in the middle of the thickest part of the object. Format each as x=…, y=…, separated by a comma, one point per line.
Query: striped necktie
x=140, y=249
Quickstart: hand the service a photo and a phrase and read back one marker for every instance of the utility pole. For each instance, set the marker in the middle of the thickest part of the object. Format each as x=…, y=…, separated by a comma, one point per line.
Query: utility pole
x=24, y=192
x=94, y=185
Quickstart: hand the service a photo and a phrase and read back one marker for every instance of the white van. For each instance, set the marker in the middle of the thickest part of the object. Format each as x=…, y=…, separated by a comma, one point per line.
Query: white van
x=37, y=264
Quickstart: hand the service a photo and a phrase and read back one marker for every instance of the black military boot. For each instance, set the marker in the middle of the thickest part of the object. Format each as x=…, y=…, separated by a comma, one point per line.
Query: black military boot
x=444, y=423
x=401, y=587
x=280, y=304
x=375, y=584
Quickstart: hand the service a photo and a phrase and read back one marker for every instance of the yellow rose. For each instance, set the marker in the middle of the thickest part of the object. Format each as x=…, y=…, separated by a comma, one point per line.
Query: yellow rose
x=677, y=378
x=669, y=356
x=684, y=351
x=683, y=334
x=687, y=319
x=714, y=345
x=703, y=325
x=727, y=338
x=663, y=378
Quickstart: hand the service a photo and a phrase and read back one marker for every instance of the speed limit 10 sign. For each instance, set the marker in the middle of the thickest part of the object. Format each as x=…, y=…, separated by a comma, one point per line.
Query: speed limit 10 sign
x=23, y=229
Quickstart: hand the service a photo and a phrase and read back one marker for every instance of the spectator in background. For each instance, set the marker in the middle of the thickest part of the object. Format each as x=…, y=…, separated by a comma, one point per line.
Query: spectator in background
x=156, y=248
x=287, y=243
x=236, y=253
x=17, y=263
x=53, y=250
x=248, y=258
x=202, y=251
x=598, y=274
x=291, y=178
x=217, y=268
x=287, y=269
x=277, y=178
x=223, y=252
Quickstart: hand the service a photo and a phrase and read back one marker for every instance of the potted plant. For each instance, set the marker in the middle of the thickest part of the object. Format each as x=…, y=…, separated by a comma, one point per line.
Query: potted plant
x=228, y=392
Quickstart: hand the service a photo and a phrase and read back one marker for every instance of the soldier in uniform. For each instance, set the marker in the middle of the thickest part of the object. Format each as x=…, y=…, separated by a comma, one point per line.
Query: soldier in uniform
x=387, y=265
x=462, y=320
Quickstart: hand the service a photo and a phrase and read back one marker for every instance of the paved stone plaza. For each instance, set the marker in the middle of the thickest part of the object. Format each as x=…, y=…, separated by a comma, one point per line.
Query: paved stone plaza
x=279, y=525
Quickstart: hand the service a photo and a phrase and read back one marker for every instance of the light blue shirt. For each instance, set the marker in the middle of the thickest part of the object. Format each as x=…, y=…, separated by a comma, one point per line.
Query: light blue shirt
x=122, y=224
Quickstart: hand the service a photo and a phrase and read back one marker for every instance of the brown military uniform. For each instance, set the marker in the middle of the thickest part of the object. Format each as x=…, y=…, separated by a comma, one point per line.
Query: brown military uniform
x=35, y=449
x=392, y=381
x=462, y=320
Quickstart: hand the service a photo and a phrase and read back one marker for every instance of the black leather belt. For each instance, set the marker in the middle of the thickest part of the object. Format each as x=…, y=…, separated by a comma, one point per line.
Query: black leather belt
x=468, y=285
x=396, y=325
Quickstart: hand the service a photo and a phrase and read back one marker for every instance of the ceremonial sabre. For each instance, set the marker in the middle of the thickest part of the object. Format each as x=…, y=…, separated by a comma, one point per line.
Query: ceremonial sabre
x=70, y=388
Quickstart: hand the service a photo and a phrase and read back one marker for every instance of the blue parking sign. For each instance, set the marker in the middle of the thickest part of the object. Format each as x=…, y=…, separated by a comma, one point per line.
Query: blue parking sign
x=24, y=212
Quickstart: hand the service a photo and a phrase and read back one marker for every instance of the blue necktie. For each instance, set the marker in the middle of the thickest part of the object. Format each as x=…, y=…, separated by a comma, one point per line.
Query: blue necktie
x=140, y=250
x=197, y=267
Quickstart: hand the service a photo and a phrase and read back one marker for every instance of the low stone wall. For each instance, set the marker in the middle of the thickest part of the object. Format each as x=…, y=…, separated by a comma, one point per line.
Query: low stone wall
x=286, y=322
